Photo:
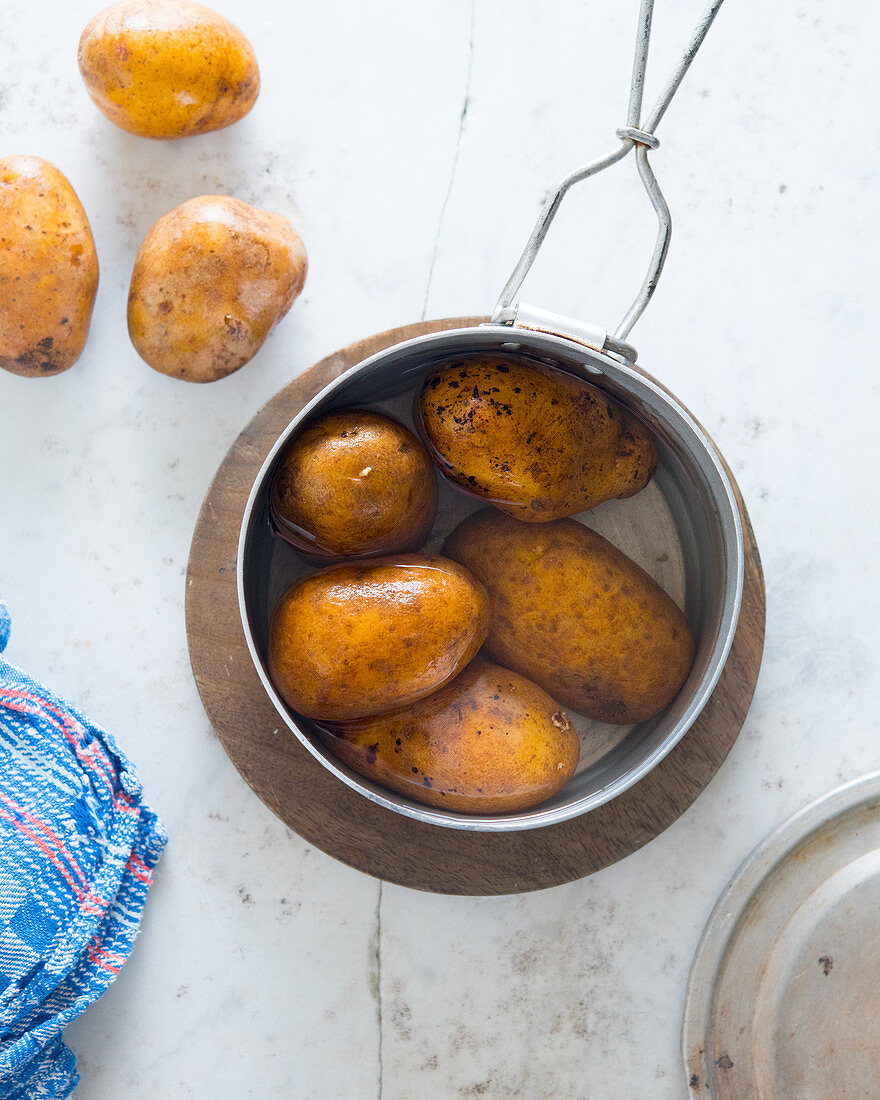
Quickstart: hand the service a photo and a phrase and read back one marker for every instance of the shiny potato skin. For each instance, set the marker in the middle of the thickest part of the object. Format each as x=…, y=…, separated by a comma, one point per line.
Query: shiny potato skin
x=168, y=68
x=488, y=742
x=211, y=280
x=354, y=483
x=535, y=441
x=575, y=615
x=359, y=639
x=48, y=269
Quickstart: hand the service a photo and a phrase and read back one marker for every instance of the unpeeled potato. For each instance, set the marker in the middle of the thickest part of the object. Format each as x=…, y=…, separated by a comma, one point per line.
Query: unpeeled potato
x=535, y=441
x=48, y=269
x=361, y=639
x=168, y=68
x=354, y=483
x=575, y=615
x=488, y=742
x=211, y=280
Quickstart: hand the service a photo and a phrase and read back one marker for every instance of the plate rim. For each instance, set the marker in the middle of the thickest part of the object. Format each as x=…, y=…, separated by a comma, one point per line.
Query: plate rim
x=737, y=895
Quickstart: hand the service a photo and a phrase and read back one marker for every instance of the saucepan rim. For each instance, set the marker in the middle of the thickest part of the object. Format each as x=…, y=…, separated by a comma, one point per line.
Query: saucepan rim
x=722, y=507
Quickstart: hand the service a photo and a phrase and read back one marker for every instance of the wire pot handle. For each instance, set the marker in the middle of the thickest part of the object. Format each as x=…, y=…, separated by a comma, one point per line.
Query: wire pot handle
x=637, y=134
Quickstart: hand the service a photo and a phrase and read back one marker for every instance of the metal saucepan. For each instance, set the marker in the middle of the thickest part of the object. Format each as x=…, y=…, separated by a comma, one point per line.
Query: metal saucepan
x=684, y=528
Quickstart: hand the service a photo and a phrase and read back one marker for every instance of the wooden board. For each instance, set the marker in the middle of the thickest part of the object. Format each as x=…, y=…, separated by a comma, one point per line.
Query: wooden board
x=312, y=802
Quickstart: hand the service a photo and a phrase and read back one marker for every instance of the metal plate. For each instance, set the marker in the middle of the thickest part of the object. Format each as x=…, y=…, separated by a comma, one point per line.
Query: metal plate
x=783, y=999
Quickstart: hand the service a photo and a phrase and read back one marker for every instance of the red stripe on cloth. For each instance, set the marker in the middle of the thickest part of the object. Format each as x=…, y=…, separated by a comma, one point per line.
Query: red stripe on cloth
x=97, y=955
x=135, y=858
x=68, y=726
x=39, y=709
x=95, y=747
x=142, y=873
x=123, y=803
x=71, y=859
x=105, y=953
x=88, y=906
x=65, y=724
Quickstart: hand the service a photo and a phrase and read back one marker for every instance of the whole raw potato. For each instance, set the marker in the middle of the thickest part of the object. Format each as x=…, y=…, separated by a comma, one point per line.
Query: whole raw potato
x=354, y=483
x=576, y=615
x=48, y=269
x=356, y=640
x=489, y=742
x=168, y=68
x=211, y=280
x=536, y=442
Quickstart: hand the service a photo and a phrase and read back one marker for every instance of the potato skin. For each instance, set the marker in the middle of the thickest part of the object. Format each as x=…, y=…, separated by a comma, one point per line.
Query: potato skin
x=489, y=742
x=48, y=269
x=573, y=613
x=211, y=280
x=354, y=483
x=367, y=638
x=536, y=442
x=168, y=68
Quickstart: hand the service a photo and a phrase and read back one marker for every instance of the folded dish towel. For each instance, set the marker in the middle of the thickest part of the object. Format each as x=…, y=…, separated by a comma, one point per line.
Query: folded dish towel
x=77, y=852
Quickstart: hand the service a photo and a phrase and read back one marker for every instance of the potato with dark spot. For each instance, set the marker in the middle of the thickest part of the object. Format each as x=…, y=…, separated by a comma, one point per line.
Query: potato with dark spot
x=48, y=269
x=536, y=442
x=168, y=68
x=211, y=280
x=573, y=613
x=354, y=483
x=362, y=639
x=489, y=742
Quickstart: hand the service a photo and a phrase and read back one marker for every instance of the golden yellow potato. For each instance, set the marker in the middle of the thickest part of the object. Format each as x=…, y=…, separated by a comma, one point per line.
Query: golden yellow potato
x=355, y=640
x=168, y=68
x=576, y=615
x=354, y=484
x=211, y=280
x=535, y=441
x=489, y=742
x=48, y=269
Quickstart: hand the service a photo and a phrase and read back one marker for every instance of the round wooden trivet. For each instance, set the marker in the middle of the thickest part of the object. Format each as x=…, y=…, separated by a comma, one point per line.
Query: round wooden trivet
x=347, y=826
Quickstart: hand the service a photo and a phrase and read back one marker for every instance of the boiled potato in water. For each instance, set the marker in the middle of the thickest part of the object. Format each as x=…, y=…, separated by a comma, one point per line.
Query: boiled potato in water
x=211, y=280
x=354, y=483
x=168, y=68
x=536, y=442
x=489, y=742
x=367, y=638
x=575, y=615
x=48, y=269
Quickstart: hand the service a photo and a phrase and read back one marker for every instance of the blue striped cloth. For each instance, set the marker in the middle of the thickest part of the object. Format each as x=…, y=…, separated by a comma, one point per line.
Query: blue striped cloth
x=77, y=852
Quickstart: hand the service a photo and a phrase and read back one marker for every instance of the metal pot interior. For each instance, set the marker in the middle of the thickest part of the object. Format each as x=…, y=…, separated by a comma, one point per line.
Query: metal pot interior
x=684, y=529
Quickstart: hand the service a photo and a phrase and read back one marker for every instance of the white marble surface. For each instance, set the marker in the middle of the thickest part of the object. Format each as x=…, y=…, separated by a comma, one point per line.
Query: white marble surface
x=265, y=968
